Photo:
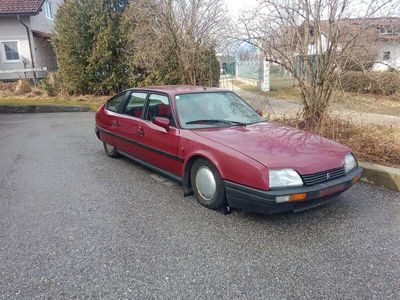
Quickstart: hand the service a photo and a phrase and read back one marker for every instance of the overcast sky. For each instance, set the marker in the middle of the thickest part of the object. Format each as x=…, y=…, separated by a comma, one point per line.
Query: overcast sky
x=237, y=6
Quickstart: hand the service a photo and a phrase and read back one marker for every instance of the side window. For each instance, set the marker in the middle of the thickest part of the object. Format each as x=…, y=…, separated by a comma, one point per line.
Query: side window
x=135, y=105
x=159, y=107
x=115, y=103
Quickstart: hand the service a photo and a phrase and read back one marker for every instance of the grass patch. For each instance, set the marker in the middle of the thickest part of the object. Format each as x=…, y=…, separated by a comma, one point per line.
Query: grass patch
x=367, y=103
x=370, y=103
x=92, y=102
x=287, y=93
x=371, y=143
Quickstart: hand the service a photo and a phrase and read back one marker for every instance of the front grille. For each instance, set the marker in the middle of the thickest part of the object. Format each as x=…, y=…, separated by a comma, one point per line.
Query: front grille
x=316, y=178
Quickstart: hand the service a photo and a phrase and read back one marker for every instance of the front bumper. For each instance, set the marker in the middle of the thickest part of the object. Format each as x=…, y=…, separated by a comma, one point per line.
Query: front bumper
x=259, y=201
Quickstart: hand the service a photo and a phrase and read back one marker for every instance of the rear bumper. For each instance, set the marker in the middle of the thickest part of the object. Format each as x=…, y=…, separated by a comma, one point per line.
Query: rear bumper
x=259, y=201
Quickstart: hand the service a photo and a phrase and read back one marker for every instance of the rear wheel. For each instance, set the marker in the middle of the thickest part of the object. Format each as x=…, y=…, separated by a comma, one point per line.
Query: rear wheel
x=111, y=151
x=207, y=184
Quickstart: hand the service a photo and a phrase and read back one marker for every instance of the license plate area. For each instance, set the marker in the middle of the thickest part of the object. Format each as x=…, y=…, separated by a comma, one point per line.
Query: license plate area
x=331, y=190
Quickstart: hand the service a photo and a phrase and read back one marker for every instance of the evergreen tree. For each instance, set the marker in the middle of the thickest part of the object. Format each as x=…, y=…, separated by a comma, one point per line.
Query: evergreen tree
x=89, y=40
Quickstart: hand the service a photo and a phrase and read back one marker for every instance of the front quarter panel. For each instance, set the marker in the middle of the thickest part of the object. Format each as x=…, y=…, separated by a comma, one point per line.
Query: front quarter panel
x=232, y=165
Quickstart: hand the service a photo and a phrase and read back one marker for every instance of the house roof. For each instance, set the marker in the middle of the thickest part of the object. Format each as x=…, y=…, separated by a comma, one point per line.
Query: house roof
x=20, y=7
x=368, y=28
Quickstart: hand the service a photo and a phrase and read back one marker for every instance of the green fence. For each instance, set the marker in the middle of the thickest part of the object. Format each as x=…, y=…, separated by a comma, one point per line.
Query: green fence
x=250, y=69
x=279, y=77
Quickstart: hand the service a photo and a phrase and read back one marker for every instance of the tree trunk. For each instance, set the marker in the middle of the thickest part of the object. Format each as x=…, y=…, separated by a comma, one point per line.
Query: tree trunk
x=314, y=111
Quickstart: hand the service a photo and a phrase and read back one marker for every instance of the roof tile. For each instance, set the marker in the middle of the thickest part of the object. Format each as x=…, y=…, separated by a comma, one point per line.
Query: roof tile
x=14, y=7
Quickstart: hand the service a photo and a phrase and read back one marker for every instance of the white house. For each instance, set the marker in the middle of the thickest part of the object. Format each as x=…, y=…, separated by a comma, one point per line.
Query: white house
x=380, y=35
x=25, y=30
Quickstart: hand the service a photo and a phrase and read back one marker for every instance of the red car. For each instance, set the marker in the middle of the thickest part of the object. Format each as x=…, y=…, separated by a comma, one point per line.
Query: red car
x=220, y=149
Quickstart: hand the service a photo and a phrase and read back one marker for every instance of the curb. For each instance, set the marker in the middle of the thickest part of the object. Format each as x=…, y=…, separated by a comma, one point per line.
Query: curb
x=381, y=175
x=16, y=109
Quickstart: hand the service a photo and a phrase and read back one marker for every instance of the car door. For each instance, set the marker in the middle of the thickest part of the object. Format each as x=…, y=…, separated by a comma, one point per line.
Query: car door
x=128, y=127
x=111, y=119
x=160, y=145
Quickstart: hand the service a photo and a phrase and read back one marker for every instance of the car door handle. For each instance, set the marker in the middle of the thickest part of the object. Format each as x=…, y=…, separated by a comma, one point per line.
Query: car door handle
x=115, y=123
x=140, y=131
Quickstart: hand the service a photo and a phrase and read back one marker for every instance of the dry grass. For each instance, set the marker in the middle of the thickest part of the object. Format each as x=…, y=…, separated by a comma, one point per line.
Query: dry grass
x=37, y=96
x=23, y=87
x=372, y=143
x=7, y=87
x=289, y=93
x=367, y=103
x=370, y=103
x=93, y=102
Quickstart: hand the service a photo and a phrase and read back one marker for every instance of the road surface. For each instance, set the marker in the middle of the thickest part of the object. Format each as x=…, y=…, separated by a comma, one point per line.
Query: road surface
x=76, y=223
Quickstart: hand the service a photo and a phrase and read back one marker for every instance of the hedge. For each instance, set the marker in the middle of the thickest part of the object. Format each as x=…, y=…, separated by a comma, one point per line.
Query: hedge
x=384, y=83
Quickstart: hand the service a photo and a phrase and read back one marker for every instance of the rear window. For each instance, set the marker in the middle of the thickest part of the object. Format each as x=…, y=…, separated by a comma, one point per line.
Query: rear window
x=115, y=103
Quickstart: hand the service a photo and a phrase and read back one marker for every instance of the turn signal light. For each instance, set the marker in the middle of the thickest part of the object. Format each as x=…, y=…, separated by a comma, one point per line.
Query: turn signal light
x=294, y=197
x=298, y=197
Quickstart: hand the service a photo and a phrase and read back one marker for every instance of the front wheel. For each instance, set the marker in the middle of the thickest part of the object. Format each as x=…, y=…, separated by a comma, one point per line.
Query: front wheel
x=207, y=184
x=111, y=151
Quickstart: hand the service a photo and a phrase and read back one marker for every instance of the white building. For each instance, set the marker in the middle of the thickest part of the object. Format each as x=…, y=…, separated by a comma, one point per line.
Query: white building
x=380, y=35
x=25, y=30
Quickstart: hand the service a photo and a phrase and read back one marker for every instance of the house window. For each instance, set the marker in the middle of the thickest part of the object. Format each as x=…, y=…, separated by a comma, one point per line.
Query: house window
x=386, y=55
x=386, y=30
x=11, y=51
x=48, y=8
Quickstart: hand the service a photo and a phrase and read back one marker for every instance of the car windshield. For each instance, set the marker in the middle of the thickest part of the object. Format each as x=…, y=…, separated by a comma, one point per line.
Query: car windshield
x=214, y=109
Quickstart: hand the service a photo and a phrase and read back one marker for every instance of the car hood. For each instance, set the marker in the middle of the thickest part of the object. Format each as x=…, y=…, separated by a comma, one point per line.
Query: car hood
x=277, y=146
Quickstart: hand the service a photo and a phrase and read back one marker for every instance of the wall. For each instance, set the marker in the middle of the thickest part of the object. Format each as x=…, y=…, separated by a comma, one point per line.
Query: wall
x=394, y=61
x=41, y=23
x=43, y=54
x=12, y=30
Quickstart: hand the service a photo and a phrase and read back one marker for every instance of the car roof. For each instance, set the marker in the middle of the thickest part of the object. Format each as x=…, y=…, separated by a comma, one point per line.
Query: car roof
x=181, y=89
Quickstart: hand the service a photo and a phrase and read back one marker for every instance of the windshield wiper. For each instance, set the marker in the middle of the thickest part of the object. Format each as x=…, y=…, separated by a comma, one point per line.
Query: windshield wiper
x=215, y=121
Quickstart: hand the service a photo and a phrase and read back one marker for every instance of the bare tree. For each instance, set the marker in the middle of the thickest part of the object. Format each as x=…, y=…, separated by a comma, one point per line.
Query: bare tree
x=315, y=40
x=177, y=35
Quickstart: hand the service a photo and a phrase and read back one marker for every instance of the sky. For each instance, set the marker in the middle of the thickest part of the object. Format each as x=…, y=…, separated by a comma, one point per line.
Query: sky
x=237, y=6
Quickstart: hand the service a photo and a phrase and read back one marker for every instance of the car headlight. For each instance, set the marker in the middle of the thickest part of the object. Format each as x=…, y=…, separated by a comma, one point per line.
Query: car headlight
x=349, y=162
x=284, y=178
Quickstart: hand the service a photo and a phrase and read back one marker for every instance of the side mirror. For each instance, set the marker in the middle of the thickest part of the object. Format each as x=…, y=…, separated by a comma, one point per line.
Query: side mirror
x=259, y=111
x=162, y=122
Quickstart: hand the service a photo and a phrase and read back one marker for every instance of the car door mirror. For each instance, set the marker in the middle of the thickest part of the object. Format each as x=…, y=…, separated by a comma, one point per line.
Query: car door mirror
x=259, y=111
x=162, y=122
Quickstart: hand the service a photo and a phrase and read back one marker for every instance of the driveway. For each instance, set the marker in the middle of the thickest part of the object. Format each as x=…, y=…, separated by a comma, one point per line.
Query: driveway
x=75, y=223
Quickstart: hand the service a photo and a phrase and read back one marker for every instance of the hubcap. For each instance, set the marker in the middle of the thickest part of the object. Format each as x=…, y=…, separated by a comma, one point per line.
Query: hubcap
x=205, y=183
x=109, y=148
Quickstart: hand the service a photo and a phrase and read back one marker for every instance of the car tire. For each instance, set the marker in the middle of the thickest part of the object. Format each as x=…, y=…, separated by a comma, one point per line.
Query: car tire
x=207, y=184
x=111, y=151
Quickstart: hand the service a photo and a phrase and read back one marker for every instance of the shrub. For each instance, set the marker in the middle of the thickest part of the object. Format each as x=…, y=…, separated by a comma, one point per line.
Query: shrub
x=23, y=87
x=372, y=143
x=51, y=84
x=385, y=83
x=7, y=86
x=173, y=42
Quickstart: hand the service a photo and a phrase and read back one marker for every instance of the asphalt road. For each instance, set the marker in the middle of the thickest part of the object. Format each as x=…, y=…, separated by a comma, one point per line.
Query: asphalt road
x=75, y=223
